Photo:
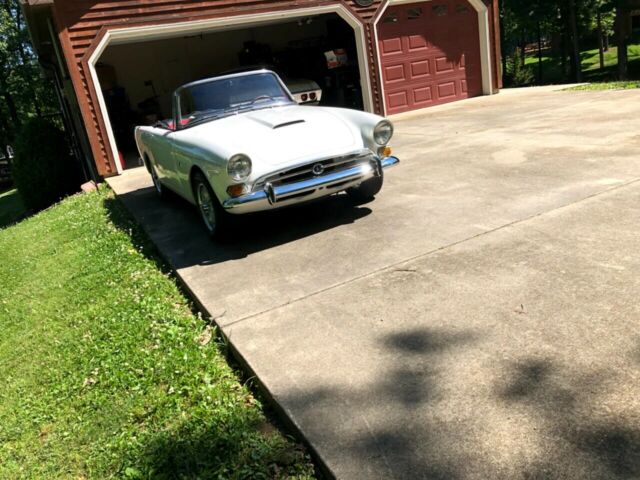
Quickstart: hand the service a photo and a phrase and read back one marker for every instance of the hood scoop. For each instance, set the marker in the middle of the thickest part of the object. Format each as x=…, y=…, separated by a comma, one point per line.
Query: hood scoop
x=276, y=119
x=286, y=124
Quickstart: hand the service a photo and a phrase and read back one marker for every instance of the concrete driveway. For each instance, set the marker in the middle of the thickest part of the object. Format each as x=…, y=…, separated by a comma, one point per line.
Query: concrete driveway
x=480, y=319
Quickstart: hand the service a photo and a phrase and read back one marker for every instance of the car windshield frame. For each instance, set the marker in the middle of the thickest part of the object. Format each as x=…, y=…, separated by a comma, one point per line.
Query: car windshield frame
x=205, y=115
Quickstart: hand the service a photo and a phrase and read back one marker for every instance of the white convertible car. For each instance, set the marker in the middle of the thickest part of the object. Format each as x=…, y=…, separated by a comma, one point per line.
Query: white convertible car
x=239, y=143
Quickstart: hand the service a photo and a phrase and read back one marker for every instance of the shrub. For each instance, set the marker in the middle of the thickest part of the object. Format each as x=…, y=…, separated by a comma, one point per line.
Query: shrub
x=518, y=74
x=43, y=170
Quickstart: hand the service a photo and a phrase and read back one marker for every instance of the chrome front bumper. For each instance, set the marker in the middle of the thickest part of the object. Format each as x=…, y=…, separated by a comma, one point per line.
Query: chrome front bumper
x=271, y=197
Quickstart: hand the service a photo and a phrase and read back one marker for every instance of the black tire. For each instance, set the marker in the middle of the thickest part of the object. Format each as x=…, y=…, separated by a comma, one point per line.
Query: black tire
x=161, y=190
x=214, y=218
x=367, y=190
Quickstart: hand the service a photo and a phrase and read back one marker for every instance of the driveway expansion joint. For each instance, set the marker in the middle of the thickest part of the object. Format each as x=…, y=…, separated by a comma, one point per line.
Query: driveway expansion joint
x=393, y=267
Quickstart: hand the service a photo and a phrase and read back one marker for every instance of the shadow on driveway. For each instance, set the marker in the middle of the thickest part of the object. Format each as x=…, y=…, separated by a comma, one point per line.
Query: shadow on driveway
x=174, y=226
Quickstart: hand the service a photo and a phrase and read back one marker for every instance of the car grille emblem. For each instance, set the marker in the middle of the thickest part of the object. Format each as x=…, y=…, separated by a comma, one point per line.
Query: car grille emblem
x=317, y=169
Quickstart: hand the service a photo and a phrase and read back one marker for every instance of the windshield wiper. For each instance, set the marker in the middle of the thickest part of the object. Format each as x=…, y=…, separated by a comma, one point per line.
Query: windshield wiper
x=262, y=97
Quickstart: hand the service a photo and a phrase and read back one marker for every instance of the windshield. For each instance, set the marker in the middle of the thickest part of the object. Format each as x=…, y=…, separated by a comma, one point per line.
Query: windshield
x=219, y=97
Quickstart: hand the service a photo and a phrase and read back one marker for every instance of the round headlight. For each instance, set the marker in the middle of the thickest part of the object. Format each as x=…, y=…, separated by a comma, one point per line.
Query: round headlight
x=383, y=132
x=239, y=167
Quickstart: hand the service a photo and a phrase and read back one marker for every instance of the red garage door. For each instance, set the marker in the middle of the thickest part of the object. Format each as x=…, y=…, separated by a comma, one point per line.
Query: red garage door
x=429, y=53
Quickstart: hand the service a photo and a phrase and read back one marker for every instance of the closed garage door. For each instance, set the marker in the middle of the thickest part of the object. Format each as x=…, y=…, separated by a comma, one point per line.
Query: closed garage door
x=429, y=53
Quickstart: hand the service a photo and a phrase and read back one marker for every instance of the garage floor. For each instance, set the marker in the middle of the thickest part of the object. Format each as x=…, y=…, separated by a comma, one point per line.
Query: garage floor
x=478, y=320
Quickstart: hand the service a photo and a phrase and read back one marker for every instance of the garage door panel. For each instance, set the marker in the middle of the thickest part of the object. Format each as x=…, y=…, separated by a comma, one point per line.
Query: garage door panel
x=391, y=46
x=446, y=90
x=444, y=65
x=419, y=69
x=395, y=73
x=398, y=99
x=438, y=44
x=423, y=95
x=416, y=43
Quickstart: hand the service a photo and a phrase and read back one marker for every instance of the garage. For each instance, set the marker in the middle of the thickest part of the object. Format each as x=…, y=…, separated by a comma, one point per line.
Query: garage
x=315, y=55
x=429, y=54
x=120, y=60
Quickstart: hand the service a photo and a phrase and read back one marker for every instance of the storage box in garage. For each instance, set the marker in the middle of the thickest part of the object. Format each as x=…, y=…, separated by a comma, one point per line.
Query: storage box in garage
x=336, y=58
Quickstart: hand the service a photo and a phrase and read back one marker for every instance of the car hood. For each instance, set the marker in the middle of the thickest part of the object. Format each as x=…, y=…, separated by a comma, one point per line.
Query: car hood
x=276, y=136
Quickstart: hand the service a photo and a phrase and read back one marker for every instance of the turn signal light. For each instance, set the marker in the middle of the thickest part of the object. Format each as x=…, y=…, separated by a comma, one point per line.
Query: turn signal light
x=384, y=151
x=237, y=190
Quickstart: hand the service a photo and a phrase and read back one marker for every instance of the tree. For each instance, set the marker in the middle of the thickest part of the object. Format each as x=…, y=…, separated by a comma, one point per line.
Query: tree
x=576, y=64
x=623, y=31
x=24, y=91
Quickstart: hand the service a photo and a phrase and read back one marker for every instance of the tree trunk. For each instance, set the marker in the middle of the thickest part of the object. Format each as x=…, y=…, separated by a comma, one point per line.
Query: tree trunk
x=623, y=19
x=539, y=53
x=575, y=47
x=600, y=38
x=11, y=105
x=8, y=98
x=6, y=133
x=563, y=56
x=503, y=42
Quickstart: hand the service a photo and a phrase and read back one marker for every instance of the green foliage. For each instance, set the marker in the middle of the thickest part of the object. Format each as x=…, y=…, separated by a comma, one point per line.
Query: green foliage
x=590, y=65
x=552, y=23
x=42, y=169
x=105, y=370
x=24, y=92
x=605, y=86
x=520, y=74
x=11, y=207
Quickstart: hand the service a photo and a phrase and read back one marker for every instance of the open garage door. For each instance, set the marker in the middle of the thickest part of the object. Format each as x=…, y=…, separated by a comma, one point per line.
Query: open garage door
x=317, y=53
x=429, y=54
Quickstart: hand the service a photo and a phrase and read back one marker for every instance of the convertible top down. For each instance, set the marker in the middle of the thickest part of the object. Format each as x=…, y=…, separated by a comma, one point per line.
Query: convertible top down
x=239, y=143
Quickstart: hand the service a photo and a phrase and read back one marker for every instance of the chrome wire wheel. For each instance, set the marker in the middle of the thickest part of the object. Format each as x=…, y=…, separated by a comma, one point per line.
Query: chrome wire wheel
x=207, y=207
x=156, y=181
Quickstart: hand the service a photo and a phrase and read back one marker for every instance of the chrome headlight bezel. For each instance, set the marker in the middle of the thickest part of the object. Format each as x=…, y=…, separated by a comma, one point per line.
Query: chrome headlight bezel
x=239, y=167
x=383, y=132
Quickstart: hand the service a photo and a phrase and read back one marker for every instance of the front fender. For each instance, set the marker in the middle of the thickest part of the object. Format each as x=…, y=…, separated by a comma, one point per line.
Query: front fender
x=212, y=163
x=364, y=121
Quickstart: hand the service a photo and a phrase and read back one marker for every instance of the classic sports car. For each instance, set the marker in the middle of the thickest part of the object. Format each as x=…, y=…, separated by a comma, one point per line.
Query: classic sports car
x=239, y=143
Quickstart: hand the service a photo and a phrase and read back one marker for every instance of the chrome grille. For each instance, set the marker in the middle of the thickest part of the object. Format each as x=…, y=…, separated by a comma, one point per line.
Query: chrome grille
x=305, y=172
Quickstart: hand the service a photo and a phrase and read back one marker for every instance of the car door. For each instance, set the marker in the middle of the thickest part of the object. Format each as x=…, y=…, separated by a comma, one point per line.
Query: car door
x=161, y=146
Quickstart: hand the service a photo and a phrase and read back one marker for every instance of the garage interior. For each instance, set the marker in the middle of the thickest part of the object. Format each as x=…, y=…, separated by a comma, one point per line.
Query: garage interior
x=137, y=79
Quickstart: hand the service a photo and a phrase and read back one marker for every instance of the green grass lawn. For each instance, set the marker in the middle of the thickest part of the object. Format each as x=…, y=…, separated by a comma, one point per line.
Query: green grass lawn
x=11, y=207
x=105, y=372
x=590, y=61
x=606, y=86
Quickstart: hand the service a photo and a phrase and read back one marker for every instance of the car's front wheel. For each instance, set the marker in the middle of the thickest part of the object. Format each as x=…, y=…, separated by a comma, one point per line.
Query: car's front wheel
x=213, y=216
x=367, y=190
x=157, y=185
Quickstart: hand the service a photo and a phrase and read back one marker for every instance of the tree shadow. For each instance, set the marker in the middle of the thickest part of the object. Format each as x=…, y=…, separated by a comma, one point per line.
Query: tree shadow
x=403, y=442
x=426, y=341
x=617, y=447
x=193, y=447
x=606, y=448
x=528, y=377
x=231, y=447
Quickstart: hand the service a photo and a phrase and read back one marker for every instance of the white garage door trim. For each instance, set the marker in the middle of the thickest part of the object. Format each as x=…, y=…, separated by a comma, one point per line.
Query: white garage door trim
x=156, y=32
x=485, y=44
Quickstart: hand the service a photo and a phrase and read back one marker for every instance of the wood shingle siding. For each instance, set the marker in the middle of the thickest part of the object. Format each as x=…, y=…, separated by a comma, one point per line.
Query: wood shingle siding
x=82, y=23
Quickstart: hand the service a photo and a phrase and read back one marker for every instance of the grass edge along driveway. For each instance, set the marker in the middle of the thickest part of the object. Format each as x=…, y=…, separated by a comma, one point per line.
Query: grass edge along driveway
x=105, y=372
